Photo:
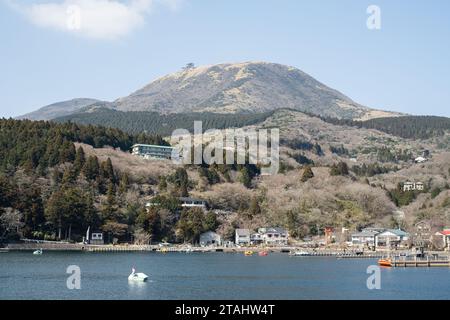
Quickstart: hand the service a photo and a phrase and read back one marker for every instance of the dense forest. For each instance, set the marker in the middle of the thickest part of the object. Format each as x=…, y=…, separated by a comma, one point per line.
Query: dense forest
x=52, y=190
x=408, y=127
x=41, y=144
x=155, y=123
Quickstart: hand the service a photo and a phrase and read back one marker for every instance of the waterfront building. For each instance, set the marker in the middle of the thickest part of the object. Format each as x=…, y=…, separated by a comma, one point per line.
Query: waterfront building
x=391, y=238
x=422, y=234
x=242, y=237
x=443, y=238
x=274, y=236
x=96, y=239
x=256, y=238
x=365, y=238
x=210, y=238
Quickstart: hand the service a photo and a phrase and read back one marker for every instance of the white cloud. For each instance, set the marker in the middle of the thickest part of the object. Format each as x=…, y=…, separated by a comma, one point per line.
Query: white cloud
x=98, y=19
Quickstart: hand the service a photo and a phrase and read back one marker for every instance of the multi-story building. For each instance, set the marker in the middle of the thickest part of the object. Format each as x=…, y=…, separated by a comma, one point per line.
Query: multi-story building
x=148, y=151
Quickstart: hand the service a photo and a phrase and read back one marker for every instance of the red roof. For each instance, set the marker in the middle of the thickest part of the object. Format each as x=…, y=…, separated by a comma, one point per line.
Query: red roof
x=446, y=232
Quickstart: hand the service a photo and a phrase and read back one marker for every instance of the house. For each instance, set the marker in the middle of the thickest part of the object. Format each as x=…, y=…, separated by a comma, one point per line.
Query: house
x=256, y=238
x=148, y=151
x=242, y=237
x=96, y=238
x=443, y=238
x=422, y=234
x=391, y=238
x=274, y=236
x=365, y=238
x=210, y=238
x=193, y=203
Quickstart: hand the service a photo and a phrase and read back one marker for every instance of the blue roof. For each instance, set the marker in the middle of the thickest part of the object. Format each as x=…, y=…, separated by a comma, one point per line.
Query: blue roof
x=398, y=232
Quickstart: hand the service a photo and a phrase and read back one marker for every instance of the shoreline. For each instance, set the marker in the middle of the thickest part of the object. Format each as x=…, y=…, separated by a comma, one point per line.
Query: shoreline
x=320, y=252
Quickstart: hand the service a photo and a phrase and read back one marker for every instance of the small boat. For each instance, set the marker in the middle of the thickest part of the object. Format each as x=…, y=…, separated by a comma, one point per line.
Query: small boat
x=38, y=252
x=163, y=250
x=137, y=276
x=300, y=254
x=248, y=253
x=263, y=253
x=385, y=262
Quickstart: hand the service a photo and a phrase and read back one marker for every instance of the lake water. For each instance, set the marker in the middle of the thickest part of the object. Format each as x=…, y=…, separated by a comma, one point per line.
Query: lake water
x=206, y=276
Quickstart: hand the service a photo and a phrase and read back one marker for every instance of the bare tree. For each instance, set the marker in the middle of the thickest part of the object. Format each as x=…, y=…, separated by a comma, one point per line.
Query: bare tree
x=11, y=220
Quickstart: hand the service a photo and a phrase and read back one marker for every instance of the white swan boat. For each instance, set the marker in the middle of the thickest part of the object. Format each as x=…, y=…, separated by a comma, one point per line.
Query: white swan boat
x=137, y=276
x=37, y=252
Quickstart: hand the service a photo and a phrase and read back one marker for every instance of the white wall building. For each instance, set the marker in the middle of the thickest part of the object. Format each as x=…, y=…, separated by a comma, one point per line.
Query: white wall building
x=274, y=236
x=210, y=238
x=412, y=186
x=193, y=203
x=242, y=237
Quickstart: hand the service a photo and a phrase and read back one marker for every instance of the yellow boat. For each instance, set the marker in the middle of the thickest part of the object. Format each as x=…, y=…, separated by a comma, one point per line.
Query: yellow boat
x=248, y=253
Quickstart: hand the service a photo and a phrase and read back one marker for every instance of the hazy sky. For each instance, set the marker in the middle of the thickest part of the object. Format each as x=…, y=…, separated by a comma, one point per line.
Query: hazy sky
x=48, y=55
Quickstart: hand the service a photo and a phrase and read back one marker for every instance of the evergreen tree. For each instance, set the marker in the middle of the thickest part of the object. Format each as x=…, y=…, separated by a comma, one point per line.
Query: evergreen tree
x=80, y=159
x=110, y=209
x=91, y=168
x=107, y=171
x=124, y=183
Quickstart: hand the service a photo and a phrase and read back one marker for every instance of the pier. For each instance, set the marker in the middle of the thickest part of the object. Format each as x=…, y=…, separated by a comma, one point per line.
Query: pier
x=416, y=263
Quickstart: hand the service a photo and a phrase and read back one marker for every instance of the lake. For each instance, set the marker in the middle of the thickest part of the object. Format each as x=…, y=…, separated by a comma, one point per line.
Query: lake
x=207, y=276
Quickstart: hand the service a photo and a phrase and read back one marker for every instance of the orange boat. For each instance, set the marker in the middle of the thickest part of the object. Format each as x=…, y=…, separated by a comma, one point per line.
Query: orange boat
x=385, y=263
x=263, y=253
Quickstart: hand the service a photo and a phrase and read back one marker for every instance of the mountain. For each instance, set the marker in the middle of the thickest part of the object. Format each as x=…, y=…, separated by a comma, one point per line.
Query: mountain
x=249, y=87
x=59, y=109
x=242, y=88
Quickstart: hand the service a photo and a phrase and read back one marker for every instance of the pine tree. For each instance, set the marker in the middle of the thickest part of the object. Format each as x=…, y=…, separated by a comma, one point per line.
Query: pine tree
x=124, y=183
x=107, y=171
x=80, y=159
x=69, y=176
x=110, y=209
x=91, y=168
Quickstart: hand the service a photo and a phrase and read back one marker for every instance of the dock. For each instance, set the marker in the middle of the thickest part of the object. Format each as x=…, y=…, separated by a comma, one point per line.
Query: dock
x=426, y=263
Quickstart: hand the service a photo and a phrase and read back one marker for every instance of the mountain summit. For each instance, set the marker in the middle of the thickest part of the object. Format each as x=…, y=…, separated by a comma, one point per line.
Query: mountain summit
x=247, y=87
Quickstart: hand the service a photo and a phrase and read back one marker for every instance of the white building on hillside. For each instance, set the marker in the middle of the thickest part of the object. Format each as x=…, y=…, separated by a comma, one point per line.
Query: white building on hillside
x=412, y=186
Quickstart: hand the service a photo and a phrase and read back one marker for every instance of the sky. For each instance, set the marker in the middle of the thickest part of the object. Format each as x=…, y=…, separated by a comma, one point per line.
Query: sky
x=53, y=50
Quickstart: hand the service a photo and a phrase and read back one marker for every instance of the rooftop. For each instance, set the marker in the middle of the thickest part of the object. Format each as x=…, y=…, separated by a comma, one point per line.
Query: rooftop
x=243, y=232
x=151, y=146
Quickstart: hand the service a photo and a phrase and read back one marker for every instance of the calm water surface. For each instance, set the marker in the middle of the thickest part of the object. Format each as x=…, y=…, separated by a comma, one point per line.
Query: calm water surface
x=199, y=276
